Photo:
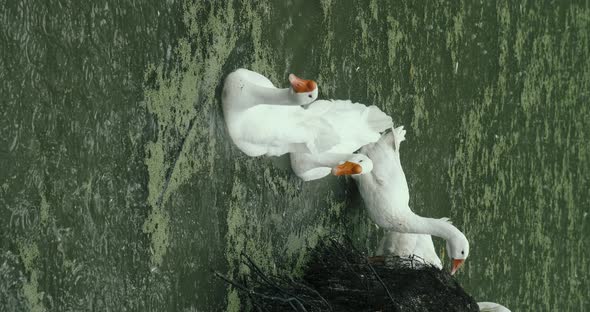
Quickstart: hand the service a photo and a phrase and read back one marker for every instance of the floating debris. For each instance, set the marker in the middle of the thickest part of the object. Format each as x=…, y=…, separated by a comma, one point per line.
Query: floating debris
x=340, y=278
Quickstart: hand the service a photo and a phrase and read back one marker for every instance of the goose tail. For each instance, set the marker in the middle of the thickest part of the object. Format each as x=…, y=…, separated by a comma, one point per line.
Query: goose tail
x=399, y=135
x=376, y=119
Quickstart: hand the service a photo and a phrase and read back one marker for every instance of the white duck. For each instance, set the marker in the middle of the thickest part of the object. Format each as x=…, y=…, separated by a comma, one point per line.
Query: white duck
x=386, y=196
x=264, y=120
x=354, y=125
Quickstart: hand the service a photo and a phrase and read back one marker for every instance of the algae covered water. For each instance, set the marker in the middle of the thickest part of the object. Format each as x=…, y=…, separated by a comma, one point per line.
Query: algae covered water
x=120, y=188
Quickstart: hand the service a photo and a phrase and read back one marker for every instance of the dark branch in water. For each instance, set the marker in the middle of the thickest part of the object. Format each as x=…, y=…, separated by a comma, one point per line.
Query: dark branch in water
x=254, y=293
x=373, y=270
x=339, y=277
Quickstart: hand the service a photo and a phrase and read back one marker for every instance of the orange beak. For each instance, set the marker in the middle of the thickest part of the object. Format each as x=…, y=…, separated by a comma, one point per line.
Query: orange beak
x=347, y=168
x=302, y=85
x=456, y=264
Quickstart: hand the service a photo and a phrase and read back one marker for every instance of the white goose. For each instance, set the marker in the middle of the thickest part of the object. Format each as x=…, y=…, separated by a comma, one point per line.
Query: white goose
x=407, y=245
x=420, y=245
x=386, y=196
x=354, y=125
x=392, y=212
x=264, y=120
x=491, y=307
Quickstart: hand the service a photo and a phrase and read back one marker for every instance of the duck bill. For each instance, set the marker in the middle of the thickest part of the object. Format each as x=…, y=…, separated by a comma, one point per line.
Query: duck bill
x=456, y=264
x=302, y=85
x=347, y=168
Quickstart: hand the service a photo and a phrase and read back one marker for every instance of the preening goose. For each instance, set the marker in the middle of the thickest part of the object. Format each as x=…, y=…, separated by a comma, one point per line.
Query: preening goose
x=265, y=120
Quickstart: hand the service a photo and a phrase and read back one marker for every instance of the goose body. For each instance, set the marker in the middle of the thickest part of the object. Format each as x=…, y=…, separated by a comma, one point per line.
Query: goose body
x=421, y=247
x=386, y=196
x=264, y=120
x=354, y=125
x=407, y=245
x=491, y=307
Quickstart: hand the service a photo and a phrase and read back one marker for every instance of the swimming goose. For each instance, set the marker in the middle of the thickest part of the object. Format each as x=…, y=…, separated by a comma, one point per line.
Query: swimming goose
x=386, y=196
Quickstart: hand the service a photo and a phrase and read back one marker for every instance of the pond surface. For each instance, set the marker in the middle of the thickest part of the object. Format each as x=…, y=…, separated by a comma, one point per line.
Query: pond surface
x=121, y=190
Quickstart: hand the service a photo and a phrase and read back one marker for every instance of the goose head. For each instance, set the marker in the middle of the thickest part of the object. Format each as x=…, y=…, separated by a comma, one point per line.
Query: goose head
x=303, y=91
x=356, y=165
x=458, y=251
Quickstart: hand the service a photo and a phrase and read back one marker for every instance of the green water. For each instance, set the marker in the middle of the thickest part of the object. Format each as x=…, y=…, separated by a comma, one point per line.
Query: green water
x=120, y=189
